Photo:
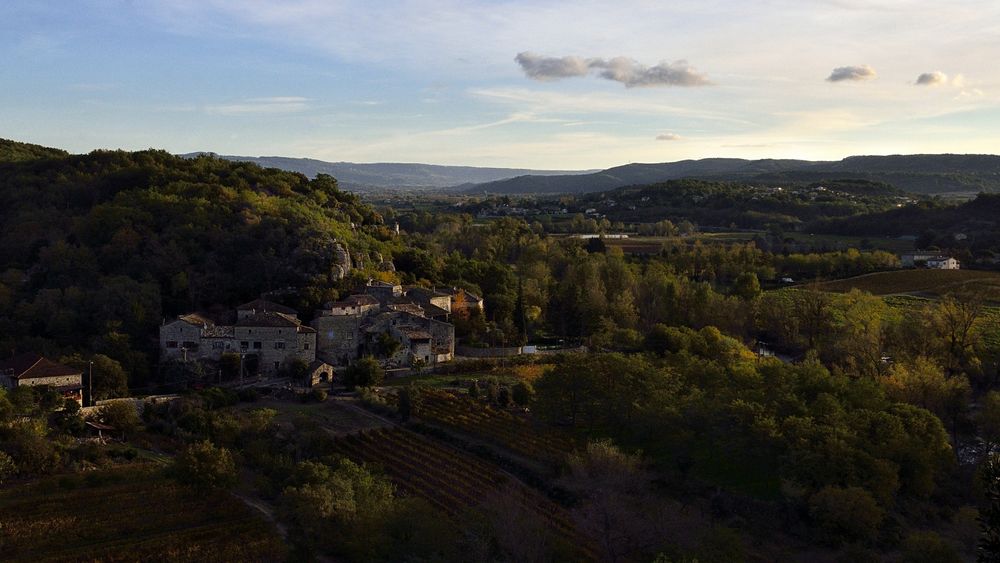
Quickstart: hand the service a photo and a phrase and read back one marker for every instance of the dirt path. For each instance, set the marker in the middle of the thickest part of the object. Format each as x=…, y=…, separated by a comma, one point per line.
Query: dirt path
x=268, y=512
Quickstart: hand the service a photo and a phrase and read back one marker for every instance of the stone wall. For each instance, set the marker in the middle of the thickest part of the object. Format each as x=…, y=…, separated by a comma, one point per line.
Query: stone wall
x=488, y=352
x=338, y=338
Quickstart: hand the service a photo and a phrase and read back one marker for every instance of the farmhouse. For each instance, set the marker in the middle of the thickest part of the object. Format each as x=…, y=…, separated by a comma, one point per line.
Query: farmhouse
x=34, y=370
x=942, y=263
x=266, y=334
x=931, y=260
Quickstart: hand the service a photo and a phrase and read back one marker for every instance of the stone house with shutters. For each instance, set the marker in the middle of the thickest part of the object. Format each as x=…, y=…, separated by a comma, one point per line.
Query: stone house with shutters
x=271, y=336
x=35, y=370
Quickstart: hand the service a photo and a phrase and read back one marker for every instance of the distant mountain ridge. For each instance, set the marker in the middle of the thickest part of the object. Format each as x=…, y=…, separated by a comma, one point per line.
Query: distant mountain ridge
x=360, y=176
x=922, y=173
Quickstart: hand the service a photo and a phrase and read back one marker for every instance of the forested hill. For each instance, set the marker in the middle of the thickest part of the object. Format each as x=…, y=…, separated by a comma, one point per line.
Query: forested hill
x=101, y=247
x=356, y=176
x=973, y=225
x=639, y=174
x=925, y=174
x=11, y=151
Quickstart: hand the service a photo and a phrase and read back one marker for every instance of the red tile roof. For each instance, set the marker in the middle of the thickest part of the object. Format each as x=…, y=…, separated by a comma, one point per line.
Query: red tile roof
x=34, y=365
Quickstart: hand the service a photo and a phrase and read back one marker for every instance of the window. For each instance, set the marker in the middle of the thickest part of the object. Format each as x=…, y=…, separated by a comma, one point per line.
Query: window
x=190, y=345
x=256, y=345
x=279, y=345
x=305, y=346
x=277, y=365
x=171, y=343
x=218, y=345
x=244, y=345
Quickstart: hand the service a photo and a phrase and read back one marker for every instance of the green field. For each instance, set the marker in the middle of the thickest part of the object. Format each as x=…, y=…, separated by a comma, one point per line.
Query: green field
x=926, y=283
x=650, y=244
x=129, y=514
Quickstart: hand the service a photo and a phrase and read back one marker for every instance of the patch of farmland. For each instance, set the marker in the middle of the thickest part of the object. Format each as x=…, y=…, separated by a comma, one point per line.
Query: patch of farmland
x=129, y=514
x=454, y=481
x=933, y=283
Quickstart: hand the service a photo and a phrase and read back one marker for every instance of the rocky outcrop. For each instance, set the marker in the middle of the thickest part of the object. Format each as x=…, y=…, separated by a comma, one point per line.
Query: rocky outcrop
x=342, y=262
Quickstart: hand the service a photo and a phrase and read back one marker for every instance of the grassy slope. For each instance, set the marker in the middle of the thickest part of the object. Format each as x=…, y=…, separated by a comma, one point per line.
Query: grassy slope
x=924, y=282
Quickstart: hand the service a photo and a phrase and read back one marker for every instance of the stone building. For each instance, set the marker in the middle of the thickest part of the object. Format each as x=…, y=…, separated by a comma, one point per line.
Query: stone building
x=35, y=370
x=463, y=303
x=942, y=263
x=265, y=334
x=359, y=324
x=427, y=340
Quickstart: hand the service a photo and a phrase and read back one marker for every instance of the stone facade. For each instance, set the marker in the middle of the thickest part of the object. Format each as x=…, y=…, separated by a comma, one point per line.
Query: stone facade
x=263, y=332
x=357, y=325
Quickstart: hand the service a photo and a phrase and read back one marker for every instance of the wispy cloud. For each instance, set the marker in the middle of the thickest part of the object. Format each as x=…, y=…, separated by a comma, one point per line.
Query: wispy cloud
x=852, y=73
x=562, y=103
x=628, y=71
x=668, y=137
x=254, y=106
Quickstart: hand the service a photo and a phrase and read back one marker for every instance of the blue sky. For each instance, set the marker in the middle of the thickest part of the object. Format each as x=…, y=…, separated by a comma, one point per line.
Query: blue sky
x=579, y=84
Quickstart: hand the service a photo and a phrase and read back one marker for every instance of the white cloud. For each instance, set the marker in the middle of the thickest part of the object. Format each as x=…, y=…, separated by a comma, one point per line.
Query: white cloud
x=852, y=73
x=668, y=137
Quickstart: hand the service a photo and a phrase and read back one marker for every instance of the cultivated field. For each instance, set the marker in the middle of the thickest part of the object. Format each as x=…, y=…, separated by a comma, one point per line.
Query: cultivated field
x=928, y=283
x=455, y=481
x=476, y=418
x=129, y=514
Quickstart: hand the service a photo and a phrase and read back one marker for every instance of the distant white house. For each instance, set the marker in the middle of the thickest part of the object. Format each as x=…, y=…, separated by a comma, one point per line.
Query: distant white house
x=928, y=260
x=942, y=263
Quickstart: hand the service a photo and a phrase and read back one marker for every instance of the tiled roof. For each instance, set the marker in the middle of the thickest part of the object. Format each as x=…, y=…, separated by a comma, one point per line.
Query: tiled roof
x=269, y=320
x=418, y=292
x=433, y=311
x=404, y=307
x=352, y=301
x=197, y=320
x=34, y=365
x=414, y=334
x=264, y=306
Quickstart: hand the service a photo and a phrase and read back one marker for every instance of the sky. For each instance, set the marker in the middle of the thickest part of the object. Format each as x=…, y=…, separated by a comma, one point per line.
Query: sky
x=538, y=84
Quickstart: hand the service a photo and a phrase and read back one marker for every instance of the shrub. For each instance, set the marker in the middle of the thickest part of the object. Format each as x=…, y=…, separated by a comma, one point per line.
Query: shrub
x=205, y=466
x=928, y=547
x=849, y=513
x=365, y=372
x=522, y=393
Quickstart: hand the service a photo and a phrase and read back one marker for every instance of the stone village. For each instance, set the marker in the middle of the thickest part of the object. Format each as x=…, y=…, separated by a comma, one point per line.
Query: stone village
x=399, y=326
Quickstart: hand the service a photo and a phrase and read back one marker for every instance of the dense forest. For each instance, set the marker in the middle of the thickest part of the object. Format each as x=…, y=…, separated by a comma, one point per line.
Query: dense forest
x=710, y=416
x=98, y=249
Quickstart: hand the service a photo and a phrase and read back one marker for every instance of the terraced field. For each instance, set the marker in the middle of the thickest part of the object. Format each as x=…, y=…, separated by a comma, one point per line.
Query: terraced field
x=929, y=283
x=499, y=426
x=129, y=514
x=451, y=480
